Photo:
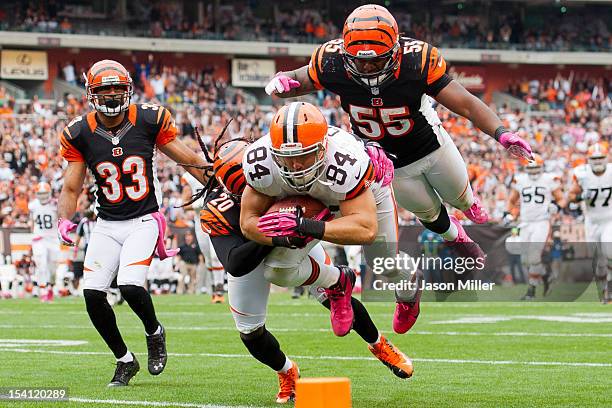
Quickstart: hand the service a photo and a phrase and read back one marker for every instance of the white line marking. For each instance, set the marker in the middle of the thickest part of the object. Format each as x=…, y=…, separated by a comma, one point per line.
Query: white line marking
x=296, y=330
x=505, y=318
x=339, y=358
x=155, y=403
x=35, y=342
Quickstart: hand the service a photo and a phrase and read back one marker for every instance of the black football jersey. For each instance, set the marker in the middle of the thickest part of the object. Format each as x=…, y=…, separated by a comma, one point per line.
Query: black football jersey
x=220, y=219
x=398, y=115
x=122, y=161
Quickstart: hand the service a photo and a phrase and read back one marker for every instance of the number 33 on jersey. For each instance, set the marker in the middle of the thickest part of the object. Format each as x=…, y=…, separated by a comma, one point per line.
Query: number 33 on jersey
x=123, y=161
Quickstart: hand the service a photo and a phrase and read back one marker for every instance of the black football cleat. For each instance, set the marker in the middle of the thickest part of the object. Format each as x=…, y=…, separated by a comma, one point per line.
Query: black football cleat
x=124, y=373
x=156, y=347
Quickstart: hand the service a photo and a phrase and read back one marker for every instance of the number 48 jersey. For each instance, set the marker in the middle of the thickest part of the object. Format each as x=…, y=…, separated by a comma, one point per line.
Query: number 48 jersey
x=44, y=218
x=536, y=195
x=122, y=162
x=346, y=174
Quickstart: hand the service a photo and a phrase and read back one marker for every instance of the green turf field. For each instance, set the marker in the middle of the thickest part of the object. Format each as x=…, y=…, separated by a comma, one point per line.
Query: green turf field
x=466, y=355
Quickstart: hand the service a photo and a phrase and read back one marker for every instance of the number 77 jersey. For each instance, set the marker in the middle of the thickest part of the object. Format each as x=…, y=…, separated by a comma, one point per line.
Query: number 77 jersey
x=123, y=161
x=398, y=114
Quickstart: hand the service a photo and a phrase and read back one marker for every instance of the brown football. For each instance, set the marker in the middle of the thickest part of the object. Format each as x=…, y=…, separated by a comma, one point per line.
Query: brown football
x=311, y=206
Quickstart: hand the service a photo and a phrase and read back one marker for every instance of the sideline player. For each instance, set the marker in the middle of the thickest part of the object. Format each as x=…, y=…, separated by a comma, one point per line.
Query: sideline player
x=45, y=248
x=248, y=288
x=592, y=183
x=118, y=142
x=539, y=196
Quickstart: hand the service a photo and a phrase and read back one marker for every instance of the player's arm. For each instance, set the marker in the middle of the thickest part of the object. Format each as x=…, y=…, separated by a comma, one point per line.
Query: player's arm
x=358, y=224
x=459, y=100
x=290, y=84
x=559, y=198
x=513, y=201
x=180, y=153
x=253, y=205
x=238, y=256
x=575, y=192
x=73, y=184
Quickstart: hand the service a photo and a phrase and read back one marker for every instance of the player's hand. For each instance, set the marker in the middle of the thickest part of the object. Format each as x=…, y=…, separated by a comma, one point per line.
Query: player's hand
x=290, y=242
x=382, y=164
x=294, y=224
x=587, y=194
x=281, y=83
x=65, y=227
x=516, y=145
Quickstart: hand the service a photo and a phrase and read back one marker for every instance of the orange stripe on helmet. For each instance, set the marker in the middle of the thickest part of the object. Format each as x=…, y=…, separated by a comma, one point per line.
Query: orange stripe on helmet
x=298, y=122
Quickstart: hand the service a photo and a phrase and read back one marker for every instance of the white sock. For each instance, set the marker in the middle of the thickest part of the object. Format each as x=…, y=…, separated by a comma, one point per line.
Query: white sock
x=128, y=358
x=158, y=331
x=376, y=342
x=286, y=367
x=451, y=234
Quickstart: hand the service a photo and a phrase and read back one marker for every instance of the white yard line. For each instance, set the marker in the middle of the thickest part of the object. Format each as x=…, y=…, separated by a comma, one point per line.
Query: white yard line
x=154, y=403
x=338, y=358
x=301, y=330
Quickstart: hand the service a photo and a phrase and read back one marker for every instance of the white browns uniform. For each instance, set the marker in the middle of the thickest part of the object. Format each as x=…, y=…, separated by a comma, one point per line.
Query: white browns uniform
x=45, y=248
x=597, y=209
x=535, y=201
x=347, y=172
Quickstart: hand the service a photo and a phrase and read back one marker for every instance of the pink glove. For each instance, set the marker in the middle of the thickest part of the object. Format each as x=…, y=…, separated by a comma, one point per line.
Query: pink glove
x=65, y=227
x=382, y=164
x=281, y=83
x=278, y=224
x=160, y=248
x=516, y=145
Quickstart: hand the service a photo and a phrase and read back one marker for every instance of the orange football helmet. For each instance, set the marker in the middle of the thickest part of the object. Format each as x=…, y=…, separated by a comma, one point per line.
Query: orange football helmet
x=598, y=157
x=371, y=48
x=299, y=137
x=533, y=167
x=102, y=76
x=43, y=192
x=227, y=166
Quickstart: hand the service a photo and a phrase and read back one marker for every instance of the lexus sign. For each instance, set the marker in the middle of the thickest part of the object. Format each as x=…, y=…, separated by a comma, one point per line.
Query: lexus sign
x=23, y=64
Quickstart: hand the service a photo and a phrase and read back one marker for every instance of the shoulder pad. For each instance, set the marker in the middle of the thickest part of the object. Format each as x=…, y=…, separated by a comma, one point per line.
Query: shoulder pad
x=258, y=165
x=326, y=59
x=150, y=113
x=73, y=129
x=348, y=169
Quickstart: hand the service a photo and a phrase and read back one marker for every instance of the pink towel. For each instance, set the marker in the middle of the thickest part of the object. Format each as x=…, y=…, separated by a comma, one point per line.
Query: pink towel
x=160, y=249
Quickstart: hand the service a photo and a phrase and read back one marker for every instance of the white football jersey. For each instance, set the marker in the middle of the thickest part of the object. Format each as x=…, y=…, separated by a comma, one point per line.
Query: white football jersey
x=536, y=195
x=347, y=171
x=44, y=217
x=195, y=186
x=599, y=205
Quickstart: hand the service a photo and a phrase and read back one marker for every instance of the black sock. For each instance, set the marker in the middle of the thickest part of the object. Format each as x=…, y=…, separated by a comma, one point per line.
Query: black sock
x=265, y=348
x=141, y=303
x=441, y=224
x=363, y=324
x=103, y=319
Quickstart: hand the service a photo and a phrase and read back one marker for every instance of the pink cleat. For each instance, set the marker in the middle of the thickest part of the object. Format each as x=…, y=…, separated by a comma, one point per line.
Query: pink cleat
x=339, y=296
x=49, y=297
x=477, y=213
x=463, y=244
x=407, y=312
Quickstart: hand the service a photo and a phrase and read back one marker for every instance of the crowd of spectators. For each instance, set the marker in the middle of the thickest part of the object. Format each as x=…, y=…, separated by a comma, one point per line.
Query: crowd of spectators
x=29, y=150
x=474, y=28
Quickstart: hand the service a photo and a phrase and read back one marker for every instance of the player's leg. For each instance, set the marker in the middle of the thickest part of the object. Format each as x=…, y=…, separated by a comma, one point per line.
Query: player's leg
x=204, y=283
x=43, y=274
x=136, y=256
x=311, y=266
x=218, y=273
x=448, y=175
x=100, y=266
x=606, y=249
x=414, y=193
x=534, y=235
x=248, y=299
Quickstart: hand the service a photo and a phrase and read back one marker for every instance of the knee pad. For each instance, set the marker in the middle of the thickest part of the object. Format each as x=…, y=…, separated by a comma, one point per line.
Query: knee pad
x=283, y=277
x=255, y=334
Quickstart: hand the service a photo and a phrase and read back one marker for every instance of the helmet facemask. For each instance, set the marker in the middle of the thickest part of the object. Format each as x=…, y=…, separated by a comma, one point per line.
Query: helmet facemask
x=110, y=104
x=598, y=163
x=44, y=196
x=310, y=162
x=387, y=63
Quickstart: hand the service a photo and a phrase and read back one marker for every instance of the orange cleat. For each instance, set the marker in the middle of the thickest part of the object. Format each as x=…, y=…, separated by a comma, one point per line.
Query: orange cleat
x=393, y=358
x=286, y=384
